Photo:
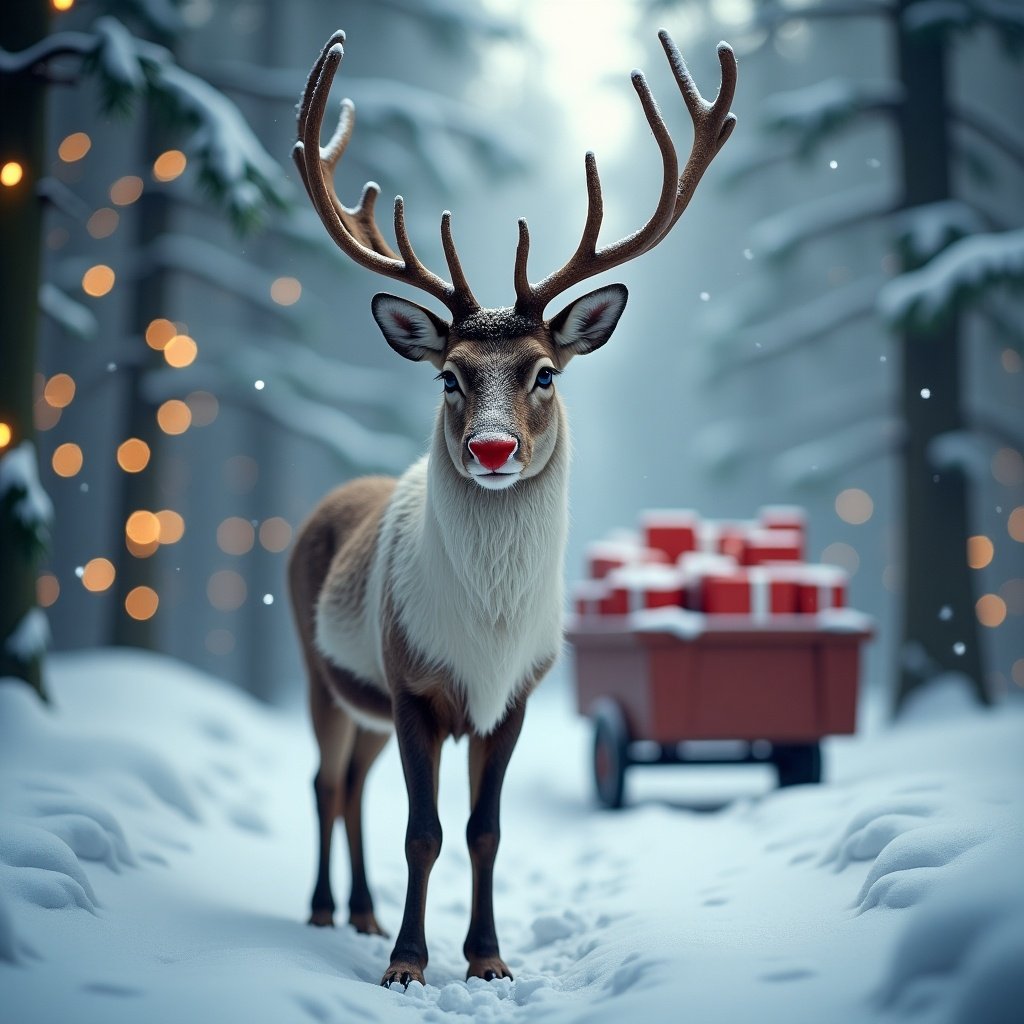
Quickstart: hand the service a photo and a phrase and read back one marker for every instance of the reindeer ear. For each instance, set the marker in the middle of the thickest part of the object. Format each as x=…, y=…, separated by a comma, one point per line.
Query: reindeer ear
x=587, y=323
x=411, y=330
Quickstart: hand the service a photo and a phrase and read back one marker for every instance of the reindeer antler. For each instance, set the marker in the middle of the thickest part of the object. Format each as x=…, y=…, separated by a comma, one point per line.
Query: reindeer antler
x=355, y=230
x=712, y=126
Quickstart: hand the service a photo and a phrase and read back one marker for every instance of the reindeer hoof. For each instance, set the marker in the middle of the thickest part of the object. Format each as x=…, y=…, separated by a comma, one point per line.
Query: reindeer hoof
x=366, y=924
x=489, y=968
x=322, y=918
x=403, y=972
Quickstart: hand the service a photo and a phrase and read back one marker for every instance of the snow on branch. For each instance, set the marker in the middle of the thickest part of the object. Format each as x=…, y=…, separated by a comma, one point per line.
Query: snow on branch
x=30, y=638
x=822, y=460
x=68, y=314
x=802, y=325
x=926, y=230
x=22, y=494
x=958, y=275
x=232, y=162
x=777, y=236
x=814, y=113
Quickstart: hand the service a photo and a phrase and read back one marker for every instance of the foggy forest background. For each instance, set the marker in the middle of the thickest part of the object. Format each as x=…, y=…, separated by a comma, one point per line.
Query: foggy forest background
x=205, y=356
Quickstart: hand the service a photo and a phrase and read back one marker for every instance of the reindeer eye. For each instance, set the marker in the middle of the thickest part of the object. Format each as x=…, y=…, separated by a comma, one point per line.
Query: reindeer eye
x=545, y=377
x=451, y=382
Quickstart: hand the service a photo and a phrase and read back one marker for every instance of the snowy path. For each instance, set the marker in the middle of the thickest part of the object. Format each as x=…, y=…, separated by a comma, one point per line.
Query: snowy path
x=156, y=851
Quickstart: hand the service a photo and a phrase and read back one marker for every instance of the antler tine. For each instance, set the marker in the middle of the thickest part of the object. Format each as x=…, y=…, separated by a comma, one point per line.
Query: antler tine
x=451, y=257
x=713, y=125
x=355, y=231
x=712, y=122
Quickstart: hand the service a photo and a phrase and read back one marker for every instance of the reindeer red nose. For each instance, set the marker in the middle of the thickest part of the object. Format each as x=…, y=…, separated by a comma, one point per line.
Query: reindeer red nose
x=493, y=452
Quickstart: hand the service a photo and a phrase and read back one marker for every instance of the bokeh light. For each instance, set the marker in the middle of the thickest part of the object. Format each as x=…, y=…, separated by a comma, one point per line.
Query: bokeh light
x=159, y=332
x=235, y=536
x=286, y=291
x=133, y=455
x=143, y=527
x=854, y=506
x=204, y=407
x=11, y=173
x=172, y=526
x=1011, y=360
x=991, y=610
x=97, y=281
x=180, y=351
x=126, y=190
x=141, y=603
x=67, y=459
x=843, y=555
x=1015, y=524
x=137, y=550
x=275, y=533
x=103, y=222
x=98, y=574
x=62, y=5
x=59, y=390
x=47, y=589
x=169, y=165
x=1017, y=672
x=73, y=147
x=174, y=416
x=1012, y=592
x=5, y=435
x=980, y=551
x=226, y=590
x=1008, y=467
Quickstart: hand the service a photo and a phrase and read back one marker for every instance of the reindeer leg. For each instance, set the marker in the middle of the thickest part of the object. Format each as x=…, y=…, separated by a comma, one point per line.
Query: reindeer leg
x=335, y=732
x=488, y=759
x=419, y=743
x=368, y=745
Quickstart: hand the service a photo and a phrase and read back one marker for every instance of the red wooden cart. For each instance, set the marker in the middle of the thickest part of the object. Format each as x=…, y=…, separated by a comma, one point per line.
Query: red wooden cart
x=652, y=681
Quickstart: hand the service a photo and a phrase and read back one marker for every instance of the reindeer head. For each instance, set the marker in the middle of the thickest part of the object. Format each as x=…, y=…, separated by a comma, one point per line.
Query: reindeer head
x=498, y=365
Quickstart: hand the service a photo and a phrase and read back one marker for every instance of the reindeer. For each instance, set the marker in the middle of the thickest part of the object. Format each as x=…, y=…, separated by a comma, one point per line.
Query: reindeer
x=431, y=605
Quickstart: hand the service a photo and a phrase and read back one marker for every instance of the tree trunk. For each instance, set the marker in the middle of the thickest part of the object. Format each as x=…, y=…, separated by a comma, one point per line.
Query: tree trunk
x=22, y=100
x=139, y=490
x=940, y=629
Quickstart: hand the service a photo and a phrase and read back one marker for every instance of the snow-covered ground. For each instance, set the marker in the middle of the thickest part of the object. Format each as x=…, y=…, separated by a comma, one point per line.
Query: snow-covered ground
x=156, y=859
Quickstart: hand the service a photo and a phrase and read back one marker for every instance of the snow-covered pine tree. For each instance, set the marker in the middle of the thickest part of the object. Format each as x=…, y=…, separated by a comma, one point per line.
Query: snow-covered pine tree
x=954, y=255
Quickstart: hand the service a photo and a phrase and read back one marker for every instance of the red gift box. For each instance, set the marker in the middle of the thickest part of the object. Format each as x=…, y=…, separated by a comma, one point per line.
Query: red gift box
x=820, y=587
x=756, y=591
x=695, y=566
x=671, y=531
x=606, y=555
x=773, y=545
x=635, y=588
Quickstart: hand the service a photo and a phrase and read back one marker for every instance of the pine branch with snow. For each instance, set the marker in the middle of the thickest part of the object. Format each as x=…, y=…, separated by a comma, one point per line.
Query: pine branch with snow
x=960, y=275
x=232, y=162
x=23, y=502
x=70, y=315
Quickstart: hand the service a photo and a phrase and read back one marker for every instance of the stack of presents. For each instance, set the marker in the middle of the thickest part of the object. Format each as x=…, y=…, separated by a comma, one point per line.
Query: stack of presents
x=750, y=569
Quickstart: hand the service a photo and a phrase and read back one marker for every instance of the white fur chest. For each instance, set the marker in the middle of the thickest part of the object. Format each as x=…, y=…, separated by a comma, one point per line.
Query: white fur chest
x=476, y=578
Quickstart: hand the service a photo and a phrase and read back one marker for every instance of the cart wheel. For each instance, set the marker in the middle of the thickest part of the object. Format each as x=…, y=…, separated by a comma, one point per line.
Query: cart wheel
x=797, y=763
x=611, y=752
